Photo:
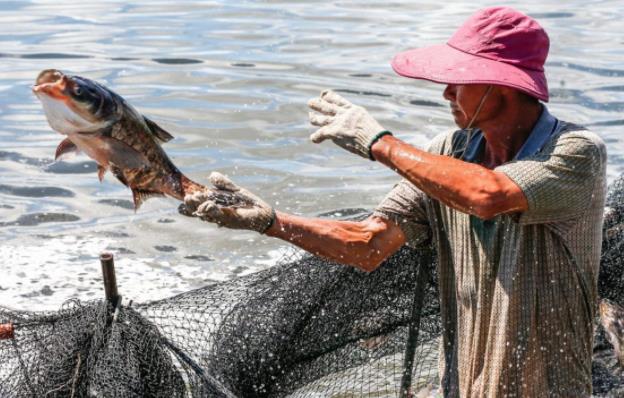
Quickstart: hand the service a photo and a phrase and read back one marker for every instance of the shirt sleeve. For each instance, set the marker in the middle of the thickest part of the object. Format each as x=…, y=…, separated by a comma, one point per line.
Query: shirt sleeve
x=405, y=205
x=559, y=181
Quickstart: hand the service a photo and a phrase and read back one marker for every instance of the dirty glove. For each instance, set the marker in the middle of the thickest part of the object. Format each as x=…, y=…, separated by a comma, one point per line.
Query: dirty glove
x=347, y=125
x=229, y=205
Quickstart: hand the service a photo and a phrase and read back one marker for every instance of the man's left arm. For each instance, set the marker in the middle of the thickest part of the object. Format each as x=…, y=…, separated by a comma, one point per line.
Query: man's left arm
x=467, y=187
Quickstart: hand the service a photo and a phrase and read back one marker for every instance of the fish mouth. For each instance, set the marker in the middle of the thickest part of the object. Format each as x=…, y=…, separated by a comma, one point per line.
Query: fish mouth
x=48, y=76
x=52, y=83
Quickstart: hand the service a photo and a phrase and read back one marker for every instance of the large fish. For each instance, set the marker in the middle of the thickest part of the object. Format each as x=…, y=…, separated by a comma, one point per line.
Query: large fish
x=612, y=320
x=100, y=123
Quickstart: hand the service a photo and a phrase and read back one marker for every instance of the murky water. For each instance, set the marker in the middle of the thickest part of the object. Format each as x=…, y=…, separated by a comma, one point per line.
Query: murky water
x=230, y=80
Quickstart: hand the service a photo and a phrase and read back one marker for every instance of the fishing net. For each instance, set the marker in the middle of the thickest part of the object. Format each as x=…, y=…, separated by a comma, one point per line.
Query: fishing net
x=608, y=373
x=303, y=328
x=611, y=280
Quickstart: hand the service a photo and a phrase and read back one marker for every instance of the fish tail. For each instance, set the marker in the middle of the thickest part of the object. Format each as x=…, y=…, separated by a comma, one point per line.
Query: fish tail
x=189, y=186
x=177, y=185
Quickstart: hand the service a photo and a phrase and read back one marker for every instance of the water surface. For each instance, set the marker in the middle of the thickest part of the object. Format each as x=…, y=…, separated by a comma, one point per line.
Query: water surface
x=230, y=80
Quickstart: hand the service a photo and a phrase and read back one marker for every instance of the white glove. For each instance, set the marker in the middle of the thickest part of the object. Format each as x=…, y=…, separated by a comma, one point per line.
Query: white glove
x=229, y=205
x=347, y=125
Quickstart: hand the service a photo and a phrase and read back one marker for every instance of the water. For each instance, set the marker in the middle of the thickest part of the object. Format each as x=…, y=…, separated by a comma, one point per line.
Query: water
x=230, y=80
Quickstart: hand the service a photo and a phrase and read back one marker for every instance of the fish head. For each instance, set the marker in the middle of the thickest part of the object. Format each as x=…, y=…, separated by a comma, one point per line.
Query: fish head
x=74, y=104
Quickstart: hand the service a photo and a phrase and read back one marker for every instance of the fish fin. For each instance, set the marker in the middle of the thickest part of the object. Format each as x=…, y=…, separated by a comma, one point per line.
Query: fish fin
x=101, y=172
x=158, y=131
x=66, y=146
x=123, y=155
x=139, y=196
x=119, y=174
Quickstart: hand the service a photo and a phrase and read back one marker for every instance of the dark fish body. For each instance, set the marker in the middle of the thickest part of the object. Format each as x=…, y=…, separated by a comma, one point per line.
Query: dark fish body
x=104, y=126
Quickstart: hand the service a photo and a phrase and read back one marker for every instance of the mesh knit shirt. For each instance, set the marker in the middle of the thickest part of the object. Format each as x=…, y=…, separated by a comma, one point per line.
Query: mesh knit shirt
x=517, y=292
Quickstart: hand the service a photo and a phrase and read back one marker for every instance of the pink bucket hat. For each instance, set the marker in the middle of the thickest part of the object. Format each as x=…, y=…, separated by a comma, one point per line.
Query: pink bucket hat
x=496, y=45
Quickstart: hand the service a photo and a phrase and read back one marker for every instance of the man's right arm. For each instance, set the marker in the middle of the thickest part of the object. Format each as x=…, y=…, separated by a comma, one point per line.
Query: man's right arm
x=363, y=244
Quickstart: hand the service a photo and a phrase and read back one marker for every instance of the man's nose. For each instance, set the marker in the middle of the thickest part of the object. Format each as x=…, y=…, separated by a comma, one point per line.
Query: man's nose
x=450, y=92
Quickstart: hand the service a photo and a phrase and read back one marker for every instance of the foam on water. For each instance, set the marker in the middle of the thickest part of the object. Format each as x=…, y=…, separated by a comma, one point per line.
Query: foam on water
x=45, y=271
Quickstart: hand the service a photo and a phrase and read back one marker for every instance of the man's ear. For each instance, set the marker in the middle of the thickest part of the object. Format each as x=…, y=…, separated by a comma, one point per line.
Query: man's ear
x=517, y=96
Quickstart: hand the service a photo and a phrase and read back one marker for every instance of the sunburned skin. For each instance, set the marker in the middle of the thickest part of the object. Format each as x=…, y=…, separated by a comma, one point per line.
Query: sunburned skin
x=408, y=156
x=468, y=187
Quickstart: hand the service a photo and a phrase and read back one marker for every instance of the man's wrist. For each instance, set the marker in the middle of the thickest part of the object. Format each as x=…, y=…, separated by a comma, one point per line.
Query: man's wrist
x=274, y=228
x=374, y=140
x=380, y=149
x=269, y=223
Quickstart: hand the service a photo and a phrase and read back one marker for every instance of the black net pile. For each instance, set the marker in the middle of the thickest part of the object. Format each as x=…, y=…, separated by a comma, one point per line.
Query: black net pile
x=303, y=328
x=608, y=373
x=79, y=352
x=610, y=280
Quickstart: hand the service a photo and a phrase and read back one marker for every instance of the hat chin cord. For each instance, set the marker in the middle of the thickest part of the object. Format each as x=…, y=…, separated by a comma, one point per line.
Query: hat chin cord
x=474, y=117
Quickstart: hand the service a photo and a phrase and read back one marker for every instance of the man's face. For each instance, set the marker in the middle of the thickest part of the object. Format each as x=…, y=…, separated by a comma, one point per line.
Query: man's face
x=464, y=100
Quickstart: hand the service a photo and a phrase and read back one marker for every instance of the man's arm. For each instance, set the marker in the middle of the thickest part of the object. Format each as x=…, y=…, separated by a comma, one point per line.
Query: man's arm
x=464, y=186
x=363, y=244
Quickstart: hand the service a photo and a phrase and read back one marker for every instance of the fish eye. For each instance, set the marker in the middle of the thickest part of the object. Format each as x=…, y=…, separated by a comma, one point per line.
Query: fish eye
x=77, y=90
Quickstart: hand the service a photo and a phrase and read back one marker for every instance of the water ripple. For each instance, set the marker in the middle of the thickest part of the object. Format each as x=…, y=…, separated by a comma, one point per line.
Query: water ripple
x=231, y=81
x=36, y=192
x=590, y=69
x=29, y=220
x=177, y=61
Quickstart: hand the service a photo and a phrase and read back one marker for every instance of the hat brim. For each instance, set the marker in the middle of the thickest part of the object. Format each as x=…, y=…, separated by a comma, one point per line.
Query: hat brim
x=445, y=64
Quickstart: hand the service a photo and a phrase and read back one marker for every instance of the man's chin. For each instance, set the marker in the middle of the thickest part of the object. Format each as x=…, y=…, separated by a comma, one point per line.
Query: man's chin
x=460, y=122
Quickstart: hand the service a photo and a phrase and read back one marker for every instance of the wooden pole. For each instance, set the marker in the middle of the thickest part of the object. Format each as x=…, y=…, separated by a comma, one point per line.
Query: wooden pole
x=110, y=281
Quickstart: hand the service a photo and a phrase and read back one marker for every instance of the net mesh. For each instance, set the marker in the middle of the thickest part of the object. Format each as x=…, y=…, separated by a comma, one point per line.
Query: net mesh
x=608, y=373
x=303, y=328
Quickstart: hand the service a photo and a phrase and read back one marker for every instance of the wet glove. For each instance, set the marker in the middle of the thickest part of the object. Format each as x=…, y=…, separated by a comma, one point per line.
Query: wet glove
x=229, y=205
x=347, y=125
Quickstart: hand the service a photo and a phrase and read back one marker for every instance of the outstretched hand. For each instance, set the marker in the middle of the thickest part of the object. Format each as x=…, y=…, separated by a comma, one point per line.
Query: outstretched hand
x=229, y=205
x=348, y=126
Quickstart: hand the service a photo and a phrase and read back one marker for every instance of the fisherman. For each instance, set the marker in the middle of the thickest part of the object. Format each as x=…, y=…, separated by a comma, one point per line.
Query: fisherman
x=512, y=201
